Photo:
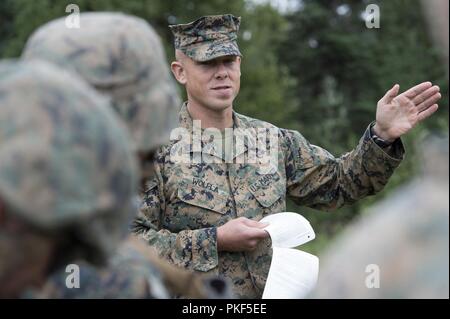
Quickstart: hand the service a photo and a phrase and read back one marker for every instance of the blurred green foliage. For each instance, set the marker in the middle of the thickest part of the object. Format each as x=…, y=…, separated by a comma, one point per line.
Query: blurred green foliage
x=319, y=69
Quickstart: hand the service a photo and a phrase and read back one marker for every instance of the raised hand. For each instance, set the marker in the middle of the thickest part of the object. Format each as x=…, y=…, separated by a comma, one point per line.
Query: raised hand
x=397, y=114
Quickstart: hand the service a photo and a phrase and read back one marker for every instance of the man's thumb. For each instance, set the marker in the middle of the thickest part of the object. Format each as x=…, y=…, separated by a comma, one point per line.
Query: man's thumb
x=259, y=233
x=254, y=223
x=387, y=98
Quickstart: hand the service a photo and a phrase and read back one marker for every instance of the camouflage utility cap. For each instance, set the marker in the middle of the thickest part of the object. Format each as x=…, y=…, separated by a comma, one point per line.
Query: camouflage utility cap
x=65, y=159
x=208, y=38
x=122, y=57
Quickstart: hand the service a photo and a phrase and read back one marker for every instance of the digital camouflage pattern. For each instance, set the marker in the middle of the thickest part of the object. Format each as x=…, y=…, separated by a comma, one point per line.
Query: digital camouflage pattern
x=186, y=202
x=208, y=37
x=122, y=57
x=404, y=240
x=65, y=160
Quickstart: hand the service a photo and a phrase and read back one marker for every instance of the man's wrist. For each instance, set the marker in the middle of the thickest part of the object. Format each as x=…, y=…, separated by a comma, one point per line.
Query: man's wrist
x=380, y=137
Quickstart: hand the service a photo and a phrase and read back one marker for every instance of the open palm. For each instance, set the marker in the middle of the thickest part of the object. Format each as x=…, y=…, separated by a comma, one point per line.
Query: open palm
x=397, y=114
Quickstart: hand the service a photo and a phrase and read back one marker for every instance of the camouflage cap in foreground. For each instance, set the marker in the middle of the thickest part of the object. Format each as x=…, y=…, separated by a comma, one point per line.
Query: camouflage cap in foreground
x=208, y=37
x=121, y=56
x=65, y=159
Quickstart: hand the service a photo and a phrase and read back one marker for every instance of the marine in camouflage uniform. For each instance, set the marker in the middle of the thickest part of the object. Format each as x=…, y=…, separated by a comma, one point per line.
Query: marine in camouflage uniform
x=122, y=57
x=187, y=202
x=400, y=247
x=68, y=175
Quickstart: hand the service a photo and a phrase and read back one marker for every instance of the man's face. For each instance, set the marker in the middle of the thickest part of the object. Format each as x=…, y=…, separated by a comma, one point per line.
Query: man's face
x=212, y=84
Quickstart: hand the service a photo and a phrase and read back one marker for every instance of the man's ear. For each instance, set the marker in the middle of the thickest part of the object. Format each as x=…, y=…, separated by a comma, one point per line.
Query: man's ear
x=178, y=71
x=239, y=64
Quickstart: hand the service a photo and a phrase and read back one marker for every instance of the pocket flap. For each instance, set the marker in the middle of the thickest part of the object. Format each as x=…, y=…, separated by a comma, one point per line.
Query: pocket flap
x=267, y=190
x=204, y=198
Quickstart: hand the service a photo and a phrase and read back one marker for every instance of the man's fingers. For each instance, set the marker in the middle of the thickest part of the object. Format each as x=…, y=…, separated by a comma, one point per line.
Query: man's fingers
x=426, y=94
x=254, y=223
x=387, y=98
x=259, y=233
x=252, y=244
x=416, y=90
x=423, y=115
x=429, y=102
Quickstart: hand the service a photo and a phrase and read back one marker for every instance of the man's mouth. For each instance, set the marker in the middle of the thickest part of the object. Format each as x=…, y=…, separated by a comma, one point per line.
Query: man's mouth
x=221, y=87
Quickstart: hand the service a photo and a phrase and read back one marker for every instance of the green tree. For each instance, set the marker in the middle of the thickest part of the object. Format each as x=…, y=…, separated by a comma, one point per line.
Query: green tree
x=265, y=86
x=343, y=68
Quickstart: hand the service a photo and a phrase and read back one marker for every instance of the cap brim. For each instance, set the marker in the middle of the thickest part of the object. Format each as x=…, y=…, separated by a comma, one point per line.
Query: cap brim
x=210, y=51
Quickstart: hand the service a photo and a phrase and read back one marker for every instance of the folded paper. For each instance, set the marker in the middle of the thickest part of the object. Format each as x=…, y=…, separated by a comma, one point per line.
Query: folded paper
x=293, y=273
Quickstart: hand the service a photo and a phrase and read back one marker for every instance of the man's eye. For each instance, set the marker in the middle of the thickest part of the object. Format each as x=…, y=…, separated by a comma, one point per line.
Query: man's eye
x=230, y=61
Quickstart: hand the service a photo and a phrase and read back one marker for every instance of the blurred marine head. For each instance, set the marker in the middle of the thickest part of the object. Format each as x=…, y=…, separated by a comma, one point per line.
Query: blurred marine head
x=122, y=57
x=66, y=168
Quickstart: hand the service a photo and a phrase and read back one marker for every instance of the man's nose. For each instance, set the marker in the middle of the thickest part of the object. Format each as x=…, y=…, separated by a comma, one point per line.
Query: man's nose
x=221, y=72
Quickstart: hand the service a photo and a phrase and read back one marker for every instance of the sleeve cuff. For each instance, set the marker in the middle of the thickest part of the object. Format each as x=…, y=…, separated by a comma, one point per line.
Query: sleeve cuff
x=394, y=152
x=204, y=249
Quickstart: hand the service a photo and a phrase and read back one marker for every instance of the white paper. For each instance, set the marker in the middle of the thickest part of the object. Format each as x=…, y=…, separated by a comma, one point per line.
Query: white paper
x=288, y=230
x=293, y=273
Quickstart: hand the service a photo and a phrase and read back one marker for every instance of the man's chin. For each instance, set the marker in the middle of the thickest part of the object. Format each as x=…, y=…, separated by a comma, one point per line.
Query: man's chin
x=222, y=103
